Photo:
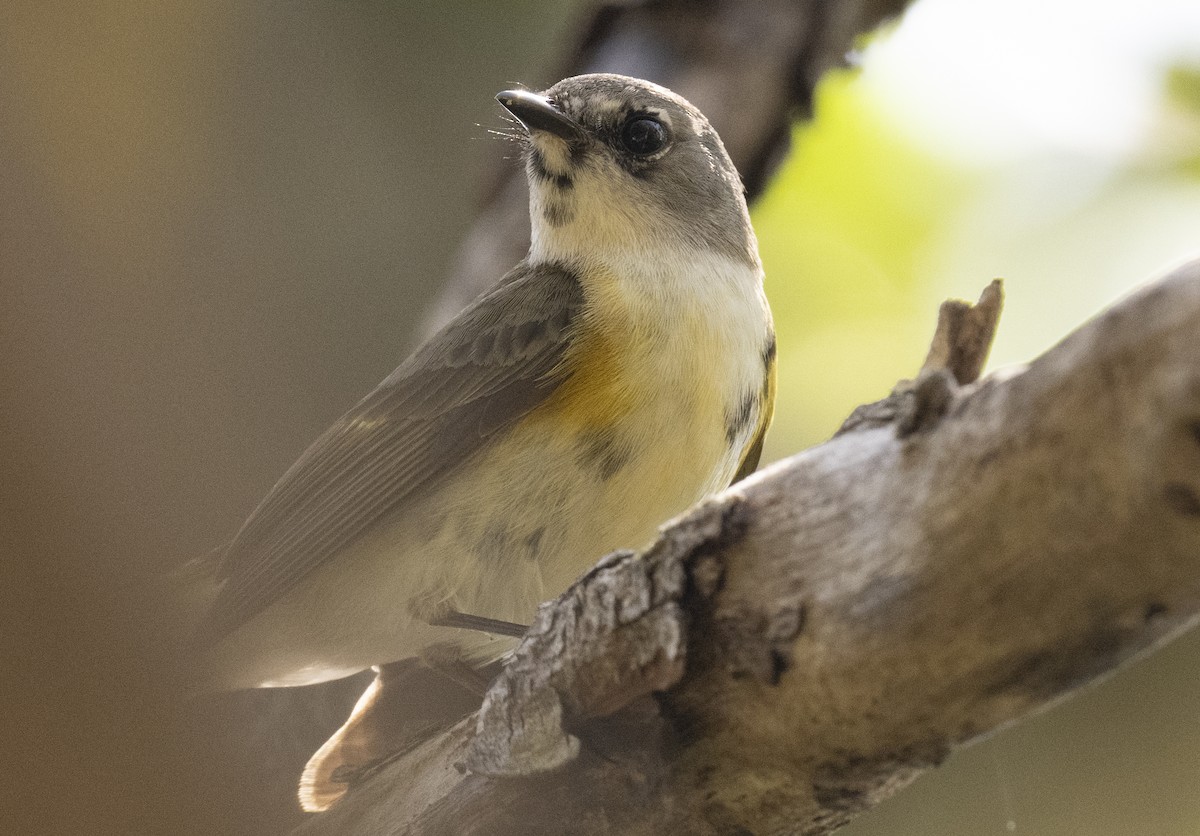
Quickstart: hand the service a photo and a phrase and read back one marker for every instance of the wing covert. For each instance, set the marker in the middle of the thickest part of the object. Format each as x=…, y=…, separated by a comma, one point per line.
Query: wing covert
x=489, y=366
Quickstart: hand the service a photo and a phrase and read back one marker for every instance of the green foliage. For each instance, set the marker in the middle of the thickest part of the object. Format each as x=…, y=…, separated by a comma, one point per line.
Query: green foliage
x=1182, y=87
x=843, y=232
x=865, y=230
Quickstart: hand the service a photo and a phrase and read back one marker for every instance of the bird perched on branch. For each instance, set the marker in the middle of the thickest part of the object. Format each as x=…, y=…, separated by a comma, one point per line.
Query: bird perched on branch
x=619, y=373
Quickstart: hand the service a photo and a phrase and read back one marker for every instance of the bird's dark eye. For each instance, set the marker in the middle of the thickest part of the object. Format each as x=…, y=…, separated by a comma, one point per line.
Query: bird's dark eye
x=643, y=136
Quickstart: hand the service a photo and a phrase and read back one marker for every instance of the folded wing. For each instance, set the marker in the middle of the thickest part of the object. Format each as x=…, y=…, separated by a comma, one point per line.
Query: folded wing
x=491, y=365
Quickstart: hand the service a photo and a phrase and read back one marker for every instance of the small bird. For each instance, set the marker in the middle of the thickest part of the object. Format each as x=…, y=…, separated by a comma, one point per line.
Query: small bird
x=619, y=373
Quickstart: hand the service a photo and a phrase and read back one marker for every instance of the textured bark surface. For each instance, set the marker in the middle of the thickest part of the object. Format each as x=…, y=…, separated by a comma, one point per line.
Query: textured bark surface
x=837, y=623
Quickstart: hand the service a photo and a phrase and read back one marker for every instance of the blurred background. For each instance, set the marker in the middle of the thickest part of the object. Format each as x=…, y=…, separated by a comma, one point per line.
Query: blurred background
x=223, y=223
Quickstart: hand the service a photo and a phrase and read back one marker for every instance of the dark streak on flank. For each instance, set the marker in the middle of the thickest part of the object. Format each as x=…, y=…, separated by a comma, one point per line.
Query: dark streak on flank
x=768, y=354
x=738, y=421
x=495, y=543
x=534, y=542
x=600, y=449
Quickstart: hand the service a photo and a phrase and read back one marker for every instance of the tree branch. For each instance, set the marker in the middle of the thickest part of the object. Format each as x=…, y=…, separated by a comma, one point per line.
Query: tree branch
x=834, y=625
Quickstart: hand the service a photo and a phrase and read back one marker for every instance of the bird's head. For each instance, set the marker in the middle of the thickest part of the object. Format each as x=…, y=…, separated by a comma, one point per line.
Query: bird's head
x=620, y=165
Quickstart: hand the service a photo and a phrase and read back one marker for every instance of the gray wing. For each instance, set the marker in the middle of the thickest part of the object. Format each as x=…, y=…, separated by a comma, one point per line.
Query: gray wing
x=492, y=364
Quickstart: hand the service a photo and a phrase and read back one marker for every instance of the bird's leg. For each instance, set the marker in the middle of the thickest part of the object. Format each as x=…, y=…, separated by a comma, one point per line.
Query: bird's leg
x=482, y=624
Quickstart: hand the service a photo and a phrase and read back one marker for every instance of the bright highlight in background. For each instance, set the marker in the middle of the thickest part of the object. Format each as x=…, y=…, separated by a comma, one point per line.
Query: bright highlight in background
x=1054, y=144
x=992, y=81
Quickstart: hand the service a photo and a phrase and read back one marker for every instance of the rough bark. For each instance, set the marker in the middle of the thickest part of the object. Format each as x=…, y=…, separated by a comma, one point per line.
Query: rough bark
x=827, y=629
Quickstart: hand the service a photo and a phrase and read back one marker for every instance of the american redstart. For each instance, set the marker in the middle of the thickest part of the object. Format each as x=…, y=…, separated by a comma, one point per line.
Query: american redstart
x=619, y=373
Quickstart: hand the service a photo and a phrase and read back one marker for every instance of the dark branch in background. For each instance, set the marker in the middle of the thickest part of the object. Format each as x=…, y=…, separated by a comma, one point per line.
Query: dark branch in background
x=822, y=632
x=751, y=66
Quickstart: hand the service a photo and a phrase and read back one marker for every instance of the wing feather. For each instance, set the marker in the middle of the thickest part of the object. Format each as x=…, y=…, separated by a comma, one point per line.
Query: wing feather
x=492, y=364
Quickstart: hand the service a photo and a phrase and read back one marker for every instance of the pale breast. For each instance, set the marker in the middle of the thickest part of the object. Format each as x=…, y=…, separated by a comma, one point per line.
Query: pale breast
x=665, y=394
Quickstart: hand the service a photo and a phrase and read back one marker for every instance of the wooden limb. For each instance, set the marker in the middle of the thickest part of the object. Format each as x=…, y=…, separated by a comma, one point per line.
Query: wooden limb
x=960, y=348
x=964, y=335
x=830, y=627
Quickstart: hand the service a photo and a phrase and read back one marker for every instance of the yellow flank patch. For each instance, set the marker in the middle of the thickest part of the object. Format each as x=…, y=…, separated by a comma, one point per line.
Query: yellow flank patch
x=591, y=393
x=601, y=379
x=657, y=375
x=766, y=414
x=770, y=384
